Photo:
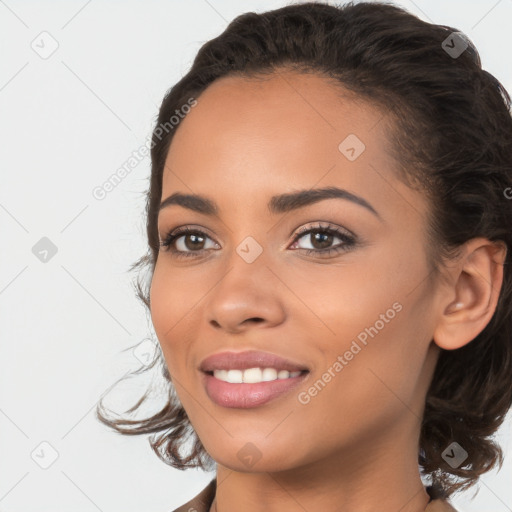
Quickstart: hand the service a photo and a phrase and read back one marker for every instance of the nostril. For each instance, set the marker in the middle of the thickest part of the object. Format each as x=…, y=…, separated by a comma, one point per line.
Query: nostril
x=256, y=319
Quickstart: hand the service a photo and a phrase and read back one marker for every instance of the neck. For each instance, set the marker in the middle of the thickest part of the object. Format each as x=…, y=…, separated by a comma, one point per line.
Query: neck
x=381, y=476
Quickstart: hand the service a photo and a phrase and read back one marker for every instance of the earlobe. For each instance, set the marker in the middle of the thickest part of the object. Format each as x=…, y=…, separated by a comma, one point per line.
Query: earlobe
x=477, y=284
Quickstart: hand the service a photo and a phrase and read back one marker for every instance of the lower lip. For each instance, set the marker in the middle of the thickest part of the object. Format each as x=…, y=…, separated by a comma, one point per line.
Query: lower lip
x=246, y=396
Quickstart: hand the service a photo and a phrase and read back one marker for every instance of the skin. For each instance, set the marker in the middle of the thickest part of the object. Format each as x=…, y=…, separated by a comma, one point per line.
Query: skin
x=245, y=141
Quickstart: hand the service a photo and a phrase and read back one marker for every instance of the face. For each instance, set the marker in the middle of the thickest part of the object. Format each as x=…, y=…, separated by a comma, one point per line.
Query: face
x=350, y=300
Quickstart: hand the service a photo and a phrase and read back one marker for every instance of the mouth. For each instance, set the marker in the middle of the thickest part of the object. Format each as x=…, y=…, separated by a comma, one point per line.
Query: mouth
x=249, y=359
x=247, y=395
x=249, y=378
x=254, y=375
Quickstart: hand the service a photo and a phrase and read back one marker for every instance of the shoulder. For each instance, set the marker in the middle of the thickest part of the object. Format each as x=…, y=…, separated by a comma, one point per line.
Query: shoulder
x=440, y=506
x=202, y=501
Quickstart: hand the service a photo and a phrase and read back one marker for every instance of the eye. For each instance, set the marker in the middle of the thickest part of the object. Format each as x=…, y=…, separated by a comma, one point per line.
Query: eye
x=324, y=236
x=189, y=242
x=191, y=245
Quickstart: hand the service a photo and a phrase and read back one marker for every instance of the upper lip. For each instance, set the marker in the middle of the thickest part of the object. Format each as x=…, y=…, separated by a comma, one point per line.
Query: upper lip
x=248, y=359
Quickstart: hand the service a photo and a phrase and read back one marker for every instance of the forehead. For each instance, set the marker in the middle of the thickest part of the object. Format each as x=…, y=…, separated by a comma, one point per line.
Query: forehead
x=280, y=110
x=278, y=133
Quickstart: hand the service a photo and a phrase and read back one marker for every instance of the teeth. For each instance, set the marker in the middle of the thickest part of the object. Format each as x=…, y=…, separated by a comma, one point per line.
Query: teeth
x=253, y=375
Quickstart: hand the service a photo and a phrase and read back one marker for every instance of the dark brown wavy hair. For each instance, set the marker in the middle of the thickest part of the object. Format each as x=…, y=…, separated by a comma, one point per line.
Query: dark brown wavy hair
x=451, y=136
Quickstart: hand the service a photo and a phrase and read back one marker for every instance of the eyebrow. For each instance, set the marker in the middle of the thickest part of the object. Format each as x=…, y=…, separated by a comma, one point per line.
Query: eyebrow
x=282, y=203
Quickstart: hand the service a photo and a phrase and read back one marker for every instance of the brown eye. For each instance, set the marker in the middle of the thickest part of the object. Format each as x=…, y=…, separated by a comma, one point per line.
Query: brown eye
x=185, y=242
x=193, y=241
x=188, y=242
x=321, y=239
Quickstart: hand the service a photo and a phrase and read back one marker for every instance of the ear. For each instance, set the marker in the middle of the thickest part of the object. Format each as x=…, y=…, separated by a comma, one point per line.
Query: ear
x=469, y=303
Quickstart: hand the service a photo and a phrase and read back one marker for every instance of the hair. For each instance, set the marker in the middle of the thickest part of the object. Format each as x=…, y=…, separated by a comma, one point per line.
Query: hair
x=451, y=134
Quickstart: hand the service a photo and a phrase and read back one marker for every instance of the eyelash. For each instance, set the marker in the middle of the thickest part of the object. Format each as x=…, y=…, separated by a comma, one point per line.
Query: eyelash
x=349, y=241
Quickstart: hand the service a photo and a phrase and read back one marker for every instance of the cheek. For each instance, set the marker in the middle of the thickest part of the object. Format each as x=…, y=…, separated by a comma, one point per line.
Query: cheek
x=346, y=300
x=370, y=316
x=171, y=300
x=364, y=387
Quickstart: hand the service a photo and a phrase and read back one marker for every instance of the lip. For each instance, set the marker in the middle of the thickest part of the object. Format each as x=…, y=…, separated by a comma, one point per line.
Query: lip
x=248, y=359
x=246, y=396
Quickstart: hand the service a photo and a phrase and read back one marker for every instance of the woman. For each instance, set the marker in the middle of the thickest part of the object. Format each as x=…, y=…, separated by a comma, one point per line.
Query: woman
x=328, y=226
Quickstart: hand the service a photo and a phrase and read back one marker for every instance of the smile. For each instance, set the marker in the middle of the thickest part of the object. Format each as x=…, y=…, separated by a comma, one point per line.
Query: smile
x=243, y=394
x=253, y=375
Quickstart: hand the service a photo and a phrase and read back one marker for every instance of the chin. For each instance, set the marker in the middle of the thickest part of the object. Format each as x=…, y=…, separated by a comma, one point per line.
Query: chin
x=250, y=459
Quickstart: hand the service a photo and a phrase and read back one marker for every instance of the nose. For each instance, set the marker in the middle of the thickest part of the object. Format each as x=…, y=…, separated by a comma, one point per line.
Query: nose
x=247, y=297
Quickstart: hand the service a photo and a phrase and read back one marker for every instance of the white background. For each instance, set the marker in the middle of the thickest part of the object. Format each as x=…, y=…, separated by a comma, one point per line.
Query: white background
x=66, y=124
